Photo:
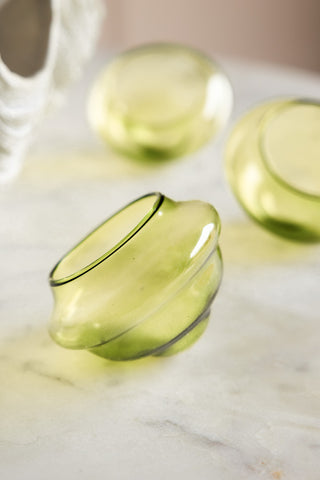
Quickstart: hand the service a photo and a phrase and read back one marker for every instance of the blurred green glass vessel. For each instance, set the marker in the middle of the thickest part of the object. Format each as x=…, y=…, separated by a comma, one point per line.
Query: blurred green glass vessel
x=273, y=166
x=140, y=284
x=159, y=101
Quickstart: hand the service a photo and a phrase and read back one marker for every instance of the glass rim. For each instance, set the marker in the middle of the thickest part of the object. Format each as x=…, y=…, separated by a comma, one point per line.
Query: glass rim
x=159, y=198
x=266, y=118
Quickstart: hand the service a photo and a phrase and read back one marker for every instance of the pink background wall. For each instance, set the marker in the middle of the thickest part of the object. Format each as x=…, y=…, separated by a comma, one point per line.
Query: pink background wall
x=281, y=31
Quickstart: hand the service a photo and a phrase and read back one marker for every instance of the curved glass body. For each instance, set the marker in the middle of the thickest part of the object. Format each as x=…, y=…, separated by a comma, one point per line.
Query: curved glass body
x=273, y=166
x=140, y=284
x=159, y=101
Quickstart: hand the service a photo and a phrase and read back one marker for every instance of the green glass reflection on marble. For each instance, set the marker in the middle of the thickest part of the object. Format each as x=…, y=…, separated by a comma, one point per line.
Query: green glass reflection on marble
x=140, y=284
x=159, y=101
x=273, y=166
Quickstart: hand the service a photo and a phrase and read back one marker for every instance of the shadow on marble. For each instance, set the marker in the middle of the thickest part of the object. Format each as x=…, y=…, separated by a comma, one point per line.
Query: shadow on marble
x=91, y=164
x=47, y=390
x=33, y=355
x=246, y=244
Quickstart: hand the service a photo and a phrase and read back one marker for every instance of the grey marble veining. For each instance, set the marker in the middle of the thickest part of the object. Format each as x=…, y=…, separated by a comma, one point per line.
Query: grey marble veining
x=243, y=403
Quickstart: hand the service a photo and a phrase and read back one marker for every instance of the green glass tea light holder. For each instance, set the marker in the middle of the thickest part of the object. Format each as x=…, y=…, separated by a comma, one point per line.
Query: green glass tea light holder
x=273, y=167
x=142, y=283
x=159, y=101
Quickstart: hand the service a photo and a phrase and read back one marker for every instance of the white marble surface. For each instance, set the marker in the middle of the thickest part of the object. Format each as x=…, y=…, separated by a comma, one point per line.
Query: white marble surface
x=243, y=403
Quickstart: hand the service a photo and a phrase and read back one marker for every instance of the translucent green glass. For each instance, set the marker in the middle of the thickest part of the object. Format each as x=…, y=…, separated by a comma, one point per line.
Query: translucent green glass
x=159, y=101
x=140, y=284
x=273, y=166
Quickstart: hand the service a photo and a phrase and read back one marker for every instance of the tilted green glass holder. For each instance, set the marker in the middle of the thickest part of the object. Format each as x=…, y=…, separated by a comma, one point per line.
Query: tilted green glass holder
x=140, y=284
x=159, y=101
x=273, y=166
